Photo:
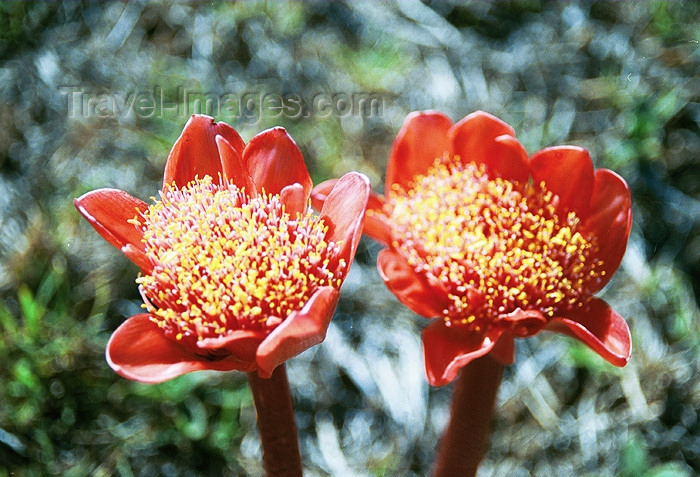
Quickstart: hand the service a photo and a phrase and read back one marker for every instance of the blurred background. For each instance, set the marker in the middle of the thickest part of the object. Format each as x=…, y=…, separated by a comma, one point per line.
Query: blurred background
x=94, y=94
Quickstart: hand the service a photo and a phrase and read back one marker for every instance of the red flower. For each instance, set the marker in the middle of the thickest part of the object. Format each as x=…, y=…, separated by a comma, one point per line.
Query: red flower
x=495, y=244
x=236, y=272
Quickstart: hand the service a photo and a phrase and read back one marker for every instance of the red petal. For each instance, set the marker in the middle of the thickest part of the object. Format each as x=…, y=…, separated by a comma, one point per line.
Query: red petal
x=375, y=202
x=139, y=351
x=274, y=160
x=138, y=256
x=108, y=211
x=195, y=152
x=377, y=224
x=522, y=323
x=447, y=349
x=509, y=160
x=319, y=194
x=293, y=199
x=243, y=344
x=299, y=332
x=598, y=326
x=421, y=140
x=473, y=138
x=411, y=288
x=568, y=172
x=344, y=211
x=609, y=219
x=233, y=167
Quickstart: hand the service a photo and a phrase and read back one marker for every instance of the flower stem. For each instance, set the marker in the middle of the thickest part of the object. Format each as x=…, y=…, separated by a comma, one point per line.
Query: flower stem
x=463, y=444
x=278, y=430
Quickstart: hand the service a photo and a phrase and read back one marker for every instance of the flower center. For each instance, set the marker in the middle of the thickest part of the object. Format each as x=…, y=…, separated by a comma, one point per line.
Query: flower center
x=224, y=261
x=495, y=245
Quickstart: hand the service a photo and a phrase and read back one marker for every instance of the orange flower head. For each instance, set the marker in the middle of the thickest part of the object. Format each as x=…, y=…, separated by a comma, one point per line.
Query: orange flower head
x=225, y=261
x=236, y=272
x=492, y=244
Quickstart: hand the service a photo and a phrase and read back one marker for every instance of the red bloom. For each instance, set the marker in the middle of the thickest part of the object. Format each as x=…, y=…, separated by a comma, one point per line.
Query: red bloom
x=236, y=272
x=495, y=244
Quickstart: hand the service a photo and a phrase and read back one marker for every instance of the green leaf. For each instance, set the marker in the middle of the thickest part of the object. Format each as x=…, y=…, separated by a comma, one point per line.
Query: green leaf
x=32, y=311
x=7, y=322
x=634, y=457
x=672, y=469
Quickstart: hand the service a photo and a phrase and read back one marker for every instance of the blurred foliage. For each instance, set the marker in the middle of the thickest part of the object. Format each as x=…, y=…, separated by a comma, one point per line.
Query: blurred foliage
x=619, y=78
x=634, y=462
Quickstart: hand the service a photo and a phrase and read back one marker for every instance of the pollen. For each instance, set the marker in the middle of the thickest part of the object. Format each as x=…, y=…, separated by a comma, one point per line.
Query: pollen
x=494, y=245
x=224, y=260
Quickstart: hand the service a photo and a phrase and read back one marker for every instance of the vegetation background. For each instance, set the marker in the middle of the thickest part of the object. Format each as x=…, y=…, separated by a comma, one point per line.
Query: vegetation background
x=620, y=79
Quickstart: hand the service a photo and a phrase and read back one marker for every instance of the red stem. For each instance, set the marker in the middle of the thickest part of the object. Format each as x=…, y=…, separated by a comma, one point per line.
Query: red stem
x=463, y=444
x=278, y=430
